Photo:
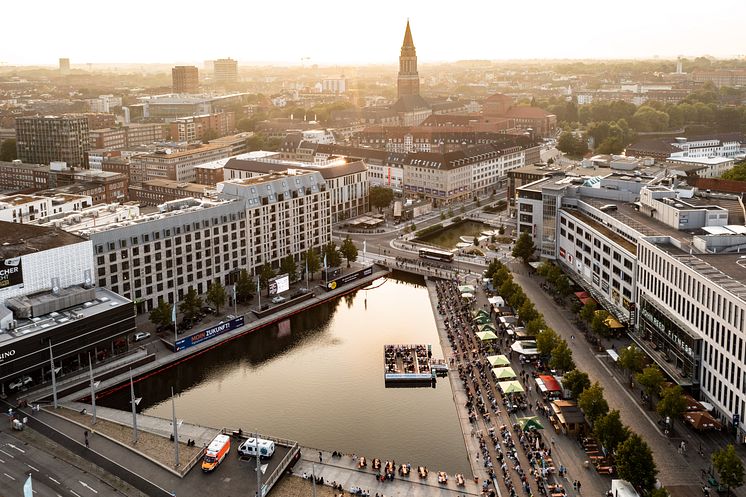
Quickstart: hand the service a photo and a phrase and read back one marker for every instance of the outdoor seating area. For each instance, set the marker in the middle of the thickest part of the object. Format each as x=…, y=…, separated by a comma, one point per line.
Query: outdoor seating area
x=408, y=363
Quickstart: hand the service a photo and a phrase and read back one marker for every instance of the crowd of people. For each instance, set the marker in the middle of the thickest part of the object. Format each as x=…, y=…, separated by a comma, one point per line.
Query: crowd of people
x=523, y=457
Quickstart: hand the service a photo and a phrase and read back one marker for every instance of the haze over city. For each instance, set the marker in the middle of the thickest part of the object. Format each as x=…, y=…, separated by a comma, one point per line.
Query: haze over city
x=342, y=32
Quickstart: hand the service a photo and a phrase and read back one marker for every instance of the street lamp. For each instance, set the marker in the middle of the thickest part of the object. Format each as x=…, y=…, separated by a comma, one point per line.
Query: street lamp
x=176, y=424
x=54, y=375
x=134, y=402
x=94, y=386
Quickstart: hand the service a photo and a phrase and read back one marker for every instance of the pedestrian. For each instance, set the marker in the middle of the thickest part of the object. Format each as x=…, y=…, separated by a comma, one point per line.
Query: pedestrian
x=85, y=435
x=320, y=458
x=578, y=486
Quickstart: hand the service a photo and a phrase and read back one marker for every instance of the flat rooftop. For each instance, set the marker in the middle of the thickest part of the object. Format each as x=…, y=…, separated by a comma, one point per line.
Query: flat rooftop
x=18, y=239
x=103, y=301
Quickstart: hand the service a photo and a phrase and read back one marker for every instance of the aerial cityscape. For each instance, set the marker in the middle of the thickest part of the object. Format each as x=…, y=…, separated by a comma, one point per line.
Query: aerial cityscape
x=420, y=249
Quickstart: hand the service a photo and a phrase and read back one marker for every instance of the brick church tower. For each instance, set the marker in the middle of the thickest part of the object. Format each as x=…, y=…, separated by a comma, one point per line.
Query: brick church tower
x=409, y=79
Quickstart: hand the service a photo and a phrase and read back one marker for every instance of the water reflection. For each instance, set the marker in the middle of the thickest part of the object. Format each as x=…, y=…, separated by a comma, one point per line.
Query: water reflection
x=318, y=378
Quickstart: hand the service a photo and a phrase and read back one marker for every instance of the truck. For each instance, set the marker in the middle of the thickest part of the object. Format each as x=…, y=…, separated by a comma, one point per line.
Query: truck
x=216, y=452
x=249, y=448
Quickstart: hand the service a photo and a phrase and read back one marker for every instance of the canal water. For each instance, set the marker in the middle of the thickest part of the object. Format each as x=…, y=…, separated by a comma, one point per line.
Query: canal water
x=318, y=379
x=449, y=237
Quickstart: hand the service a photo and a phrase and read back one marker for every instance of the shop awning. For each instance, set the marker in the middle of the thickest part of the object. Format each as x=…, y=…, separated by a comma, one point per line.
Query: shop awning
x=550, y=383
x=613, y=323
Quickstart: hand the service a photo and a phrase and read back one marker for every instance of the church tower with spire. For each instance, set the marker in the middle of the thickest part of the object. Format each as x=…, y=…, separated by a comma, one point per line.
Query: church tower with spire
x=409, y=80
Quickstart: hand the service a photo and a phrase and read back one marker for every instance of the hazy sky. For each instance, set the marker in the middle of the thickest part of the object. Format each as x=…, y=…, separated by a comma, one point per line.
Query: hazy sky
x=360, y=32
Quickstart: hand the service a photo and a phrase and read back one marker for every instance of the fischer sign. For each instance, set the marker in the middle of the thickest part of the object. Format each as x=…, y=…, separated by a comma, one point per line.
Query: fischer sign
x=11, y=272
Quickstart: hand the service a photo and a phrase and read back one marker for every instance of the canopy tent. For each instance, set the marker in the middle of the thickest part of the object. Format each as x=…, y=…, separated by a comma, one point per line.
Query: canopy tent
x=482, y=319
x=486, y=336
x=504, y=373
x=525, y=347
x=612, y=323
x=582, y=295
x=498, y=360
x=548, y=383
x=530, y=423
x=466, y=288
x=487, y=327
x=512, y=386
x=701, y=420
x=467, y=295
x=496, y=300
x=480, y=312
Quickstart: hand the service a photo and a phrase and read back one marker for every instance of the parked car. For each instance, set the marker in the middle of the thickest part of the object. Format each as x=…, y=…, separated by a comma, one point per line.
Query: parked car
x=208, y=310
x=21, y=382
x=279, y=299
x=141, y=335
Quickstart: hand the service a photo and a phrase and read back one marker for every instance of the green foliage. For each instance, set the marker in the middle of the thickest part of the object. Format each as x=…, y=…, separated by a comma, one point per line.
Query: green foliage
x=288, y=265
x=650, y=379
x=634, y=461
x=738, y=173
x=546, y=340
x=161, y=314
x=729, y=467
x=244, y=287
x=561, y=358
x=191, y=304
x=610, y=431
x=534, y=326
x=348, y=250
x=265, y=274
x=598, y=323
x=8, y=151
x=312, y=261
x=380, y=197
x=333, y=257
x=588, y=311
x=632, y=359
x=527, y=311
x=576, y=382
x=216, y=295
x=592, y=402
x=649, y=119
x=571, y=144
x=672, y=403
x=524, y=247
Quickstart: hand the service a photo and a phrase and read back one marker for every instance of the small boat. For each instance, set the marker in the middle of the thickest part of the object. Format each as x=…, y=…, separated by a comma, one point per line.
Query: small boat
x=376, y=464
x=404, y=469
x=442, y=477
x=362, y=463
x=422, y=470
x=460, y=480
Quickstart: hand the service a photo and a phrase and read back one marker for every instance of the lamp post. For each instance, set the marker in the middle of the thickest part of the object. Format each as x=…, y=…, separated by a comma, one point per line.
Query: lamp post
x=54, y=375
x=259, y=492
x=94, y=386
x=134, y=401
x=176, y=427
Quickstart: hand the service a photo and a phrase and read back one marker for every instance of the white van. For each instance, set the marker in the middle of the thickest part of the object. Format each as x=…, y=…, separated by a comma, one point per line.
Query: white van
x=249, y=446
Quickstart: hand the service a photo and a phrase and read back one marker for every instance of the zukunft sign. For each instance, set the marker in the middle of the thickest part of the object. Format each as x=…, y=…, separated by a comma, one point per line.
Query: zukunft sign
x=11, y=273
x=279, y=284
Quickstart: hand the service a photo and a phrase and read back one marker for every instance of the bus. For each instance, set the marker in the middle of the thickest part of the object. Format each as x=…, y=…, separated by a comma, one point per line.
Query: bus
x=436, y=255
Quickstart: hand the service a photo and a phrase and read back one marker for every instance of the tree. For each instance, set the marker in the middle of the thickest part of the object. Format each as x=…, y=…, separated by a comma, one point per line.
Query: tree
x=8, y=150
x=592, y=402
x=265, y=274
x=650, y=379
x=576, y=381
x=632, y=359
x=588, y=311
x=524, y=247
x=244, y=287
x=527, y=311
x=598, y=323
x=571, y=145
x=380, y=197
x=672, y=404
x=209, y=134
x=191, y=304
x=161, y=314
x=348, y=250
x=216, y=295
x=333, y=259
x=546, y=340
x=634, y=461
x=563, y=286
x=737, y=173
x=288, y=266
x=311, y=261
x=610, y=431
x=728, y=466
x=561, y=357
x=535, y=326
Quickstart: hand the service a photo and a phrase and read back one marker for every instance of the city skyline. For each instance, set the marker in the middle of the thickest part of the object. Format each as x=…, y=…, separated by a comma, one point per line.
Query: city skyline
x=473, y=31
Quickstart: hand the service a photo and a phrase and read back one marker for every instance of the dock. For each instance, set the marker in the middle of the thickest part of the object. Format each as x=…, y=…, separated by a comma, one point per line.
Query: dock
x=408, y=363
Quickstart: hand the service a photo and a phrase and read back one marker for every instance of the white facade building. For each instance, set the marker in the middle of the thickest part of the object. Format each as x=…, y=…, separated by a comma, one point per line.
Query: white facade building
x=34, y=208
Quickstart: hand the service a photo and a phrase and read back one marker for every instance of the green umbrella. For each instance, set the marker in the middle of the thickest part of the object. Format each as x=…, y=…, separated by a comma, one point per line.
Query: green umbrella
x=480, y=312
x=504, y=373
x=487, y=327
x=486, y=336
x=530, y=422
x=481, y=319
x=510, y=386
x=498, y=360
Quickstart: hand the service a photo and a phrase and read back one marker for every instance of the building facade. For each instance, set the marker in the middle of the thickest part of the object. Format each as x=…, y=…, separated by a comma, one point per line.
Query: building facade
x=408, y=81
x=42, y=140
x=185, y=79
x=226, y=71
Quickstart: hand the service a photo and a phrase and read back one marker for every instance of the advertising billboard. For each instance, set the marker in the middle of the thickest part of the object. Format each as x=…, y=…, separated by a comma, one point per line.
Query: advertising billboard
x=11, y=273
x=201, y=336
x=279, y=284
x=348, y=278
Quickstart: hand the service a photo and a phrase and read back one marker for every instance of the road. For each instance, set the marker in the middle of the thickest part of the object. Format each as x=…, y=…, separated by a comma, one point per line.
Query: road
x=50, y=476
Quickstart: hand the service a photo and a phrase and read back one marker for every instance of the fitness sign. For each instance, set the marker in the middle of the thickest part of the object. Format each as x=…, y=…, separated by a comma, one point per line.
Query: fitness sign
x=11, y=273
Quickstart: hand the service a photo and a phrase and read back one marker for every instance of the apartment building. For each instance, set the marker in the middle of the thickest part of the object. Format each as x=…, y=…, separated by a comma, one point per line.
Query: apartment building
x=225, y=71
x=185, y=79
x=195, y=128
x=42, y=140
x=31, y=208
x=175, y=165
